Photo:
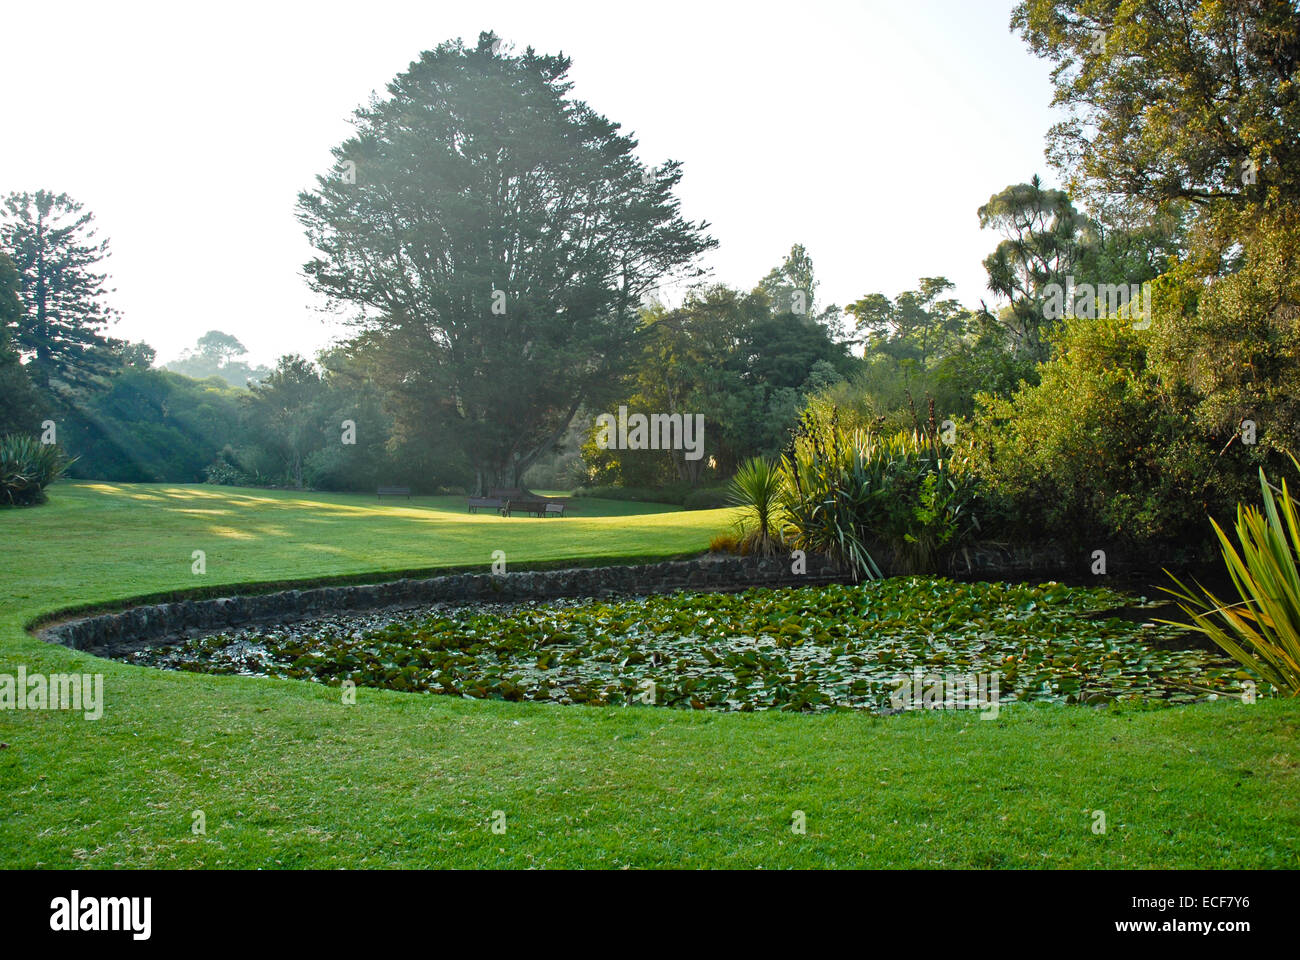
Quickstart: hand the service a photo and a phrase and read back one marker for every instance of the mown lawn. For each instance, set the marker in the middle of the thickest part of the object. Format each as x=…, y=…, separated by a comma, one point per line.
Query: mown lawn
x=287, y=775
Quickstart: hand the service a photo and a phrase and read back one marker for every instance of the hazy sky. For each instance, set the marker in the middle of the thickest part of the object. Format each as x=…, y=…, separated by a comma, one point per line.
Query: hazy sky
x=868, y=131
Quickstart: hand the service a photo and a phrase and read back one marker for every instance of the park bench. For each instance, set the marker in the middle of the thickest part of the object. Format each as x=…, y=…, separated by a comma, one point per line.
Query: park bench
x=536, y=506
x=393, y=492
x=512, y=500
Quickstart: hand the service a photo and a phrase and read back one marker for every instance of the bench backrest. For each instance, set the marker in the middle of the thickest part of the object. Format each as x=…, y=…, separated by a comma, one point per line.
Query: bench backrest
x=395, y=491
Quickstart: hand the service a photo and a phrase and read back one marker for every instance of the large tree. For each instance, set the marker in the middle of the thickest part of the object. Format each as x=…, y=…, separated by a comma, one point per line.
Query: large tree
x=285, y=415
x=792, y=289
x=1043, y=235
x=1193, y=100
x=1193, y=106
x=497, y=237
x=51, y=240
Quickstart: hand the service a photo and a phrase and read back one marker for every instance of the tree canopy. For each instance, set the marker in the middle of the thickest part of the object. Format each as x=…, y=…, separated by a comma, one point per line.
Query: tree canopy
x=1171, y=99
x=496, y=238
x=52, y=242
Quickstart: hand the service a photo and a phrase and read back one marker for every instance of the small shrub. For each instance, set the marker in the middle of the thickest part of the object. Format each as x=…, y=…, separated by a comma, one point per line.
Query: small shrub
x=756, y=489
x=725, y=543
x=224, y=473
x=27, y=467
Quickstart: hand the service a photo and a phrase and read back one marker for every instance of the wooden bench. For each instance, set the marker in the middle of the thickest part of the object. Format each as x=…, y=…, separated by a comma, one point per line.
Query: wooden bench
x=512, y=500
x=543, y=507
x=393, y=492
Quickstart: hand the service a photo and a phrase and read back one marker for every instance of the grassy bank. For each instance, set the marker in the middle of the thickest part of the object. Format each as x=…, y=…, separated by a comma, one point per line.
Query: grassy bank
x=287, y=775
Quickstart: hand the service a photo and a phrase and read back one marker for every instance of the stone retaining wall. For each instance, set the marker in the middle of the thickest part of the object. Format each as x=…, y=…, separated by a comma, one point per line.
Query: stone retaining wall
x=159, y=623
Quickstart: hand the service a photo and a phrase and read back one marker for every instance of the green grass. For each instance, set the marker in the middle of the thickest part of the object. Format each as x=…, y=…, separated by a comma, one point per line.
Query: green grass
x=287, y=775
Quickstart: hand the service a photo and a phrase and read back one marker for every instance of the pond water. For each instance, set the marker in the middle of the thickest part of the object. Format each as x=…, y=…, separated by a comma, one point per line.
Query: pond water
x=809, y=649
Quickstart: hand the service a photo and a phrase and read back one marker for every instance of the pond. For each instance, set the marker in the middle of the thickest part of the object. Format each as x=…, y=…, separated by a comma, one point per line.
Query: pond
x=804, y=649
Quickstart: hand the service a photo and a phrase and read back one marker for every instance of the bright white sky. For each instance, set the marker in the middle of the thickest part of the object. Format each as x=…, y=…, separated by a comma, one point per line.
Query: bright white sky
x=869, y=131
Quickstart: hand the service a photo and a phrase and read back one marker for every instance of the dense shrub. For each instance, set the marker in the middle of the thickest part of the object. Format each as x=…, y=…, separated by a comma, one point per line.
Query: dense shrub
x=706, y=498
x=27, y=467
x=855, y=494
x=1100, y=450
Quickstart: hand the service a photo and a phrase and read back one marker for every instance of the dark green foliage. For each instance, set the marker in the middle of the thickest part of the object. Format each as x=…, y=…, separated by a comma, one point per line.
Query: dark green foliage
x=284, y=419
x=19, y=403
x=327, y=427
x=692, y=498
x=27, y=467
x=151, y=426
x=734, y=358
x=764, y=380
x=705, y=498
